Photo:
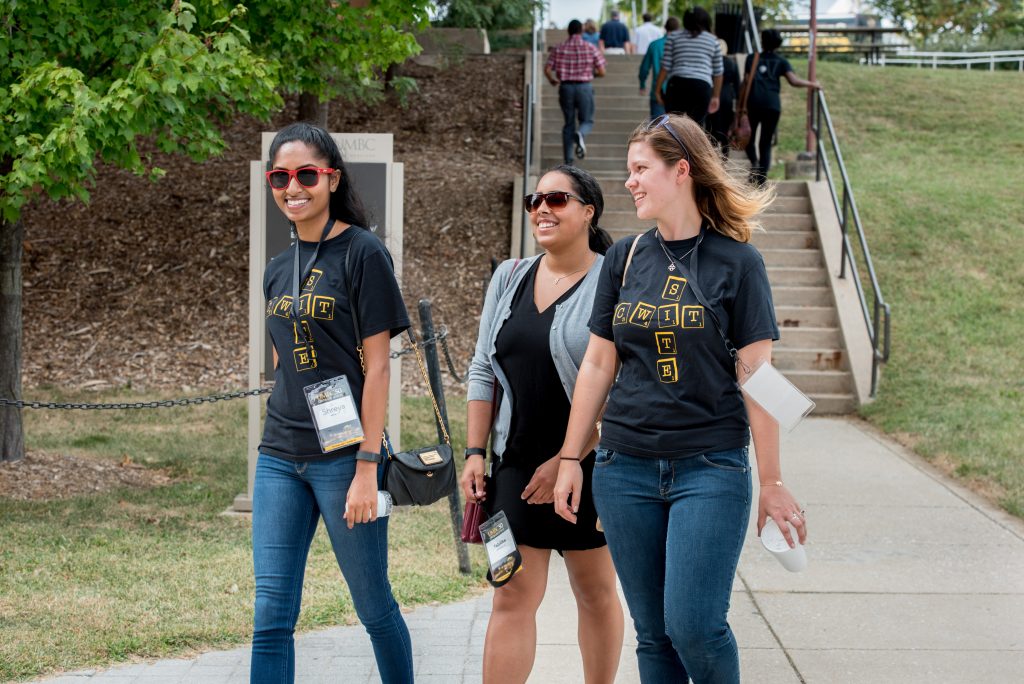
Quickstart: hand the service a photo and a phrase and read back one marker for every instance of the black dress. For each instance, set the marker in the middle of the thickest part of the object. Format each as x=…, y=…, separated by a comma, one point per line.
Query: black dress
x=540, y=413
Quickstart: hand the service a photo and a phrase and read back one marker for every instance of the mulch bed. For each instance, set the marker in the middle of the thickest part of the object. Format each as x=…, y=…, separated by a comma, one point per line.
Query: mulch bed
x=146, y=286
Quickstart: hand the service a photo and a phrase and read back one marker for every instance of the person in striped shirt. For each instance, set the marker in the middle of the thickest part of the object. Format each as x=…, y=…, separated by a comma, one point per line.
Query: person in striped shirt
x=692, y=66
x=572, y=66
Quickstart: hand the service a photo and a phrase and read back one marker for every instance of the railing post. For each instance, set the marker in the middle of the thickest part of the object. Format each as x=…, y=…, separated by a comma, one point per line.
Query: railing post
x=817, y=131
x=874, y=344
x=434, y=373
x=842, y=226
x=531, y=89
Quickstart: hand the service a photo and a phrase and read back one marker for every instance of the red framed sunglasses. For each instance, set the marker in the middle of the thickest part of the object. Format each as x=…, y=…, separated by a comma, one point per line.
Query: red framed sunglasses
x=554, y=200
x=308, y=177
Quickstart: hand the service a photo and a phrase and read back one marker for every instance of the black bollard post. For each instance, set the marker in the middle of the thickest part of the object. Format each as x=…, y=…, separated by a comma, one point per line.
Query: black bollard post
x=434, y=373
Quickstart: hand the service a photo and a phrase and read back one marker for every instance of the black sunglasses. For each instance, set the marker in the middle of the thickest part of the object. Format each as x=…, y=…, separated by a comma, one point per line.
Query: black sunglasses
x=554, y=200
x=663, y=120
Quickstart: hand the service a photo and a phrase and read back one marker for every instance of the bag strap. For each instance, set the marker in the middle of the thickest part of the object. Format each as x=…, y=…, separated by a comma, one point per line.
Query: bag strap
x=353, y=298
x=629, y=259
x=748, y=83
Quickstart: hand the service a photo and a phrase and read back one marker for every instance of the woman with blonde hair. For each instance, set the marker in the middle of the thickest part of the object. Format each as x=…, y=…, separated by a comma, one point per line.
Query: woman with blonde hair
x=682, y=312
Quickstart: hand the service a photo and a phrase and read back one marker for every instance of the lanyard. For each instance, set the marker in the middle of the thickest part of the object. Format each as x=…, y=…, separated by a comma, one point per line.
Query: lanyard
x=297, y=280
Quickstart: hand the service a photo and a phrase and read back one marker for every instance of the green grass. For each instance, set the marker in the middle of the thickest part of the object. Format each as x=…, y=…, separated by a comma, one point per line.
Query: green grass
x=935, y=162
x=159, y=572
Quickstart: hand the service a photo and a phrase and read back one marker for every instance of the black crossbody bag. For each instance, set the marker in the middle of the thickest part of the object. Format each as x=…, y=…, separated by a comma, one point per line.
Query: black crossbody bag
x=418, y=477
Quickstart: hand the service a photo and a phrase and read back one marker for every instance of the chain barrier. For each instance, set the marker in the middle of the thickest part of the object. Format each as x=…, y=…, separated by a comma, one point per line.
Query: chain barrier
x=441, y=336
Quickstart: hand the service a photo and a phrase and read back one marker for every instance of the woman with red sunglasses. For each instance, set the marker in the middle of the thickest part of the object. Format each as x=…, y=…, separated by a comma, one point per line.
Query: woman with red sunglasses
x=533, y=332
x=300, y=476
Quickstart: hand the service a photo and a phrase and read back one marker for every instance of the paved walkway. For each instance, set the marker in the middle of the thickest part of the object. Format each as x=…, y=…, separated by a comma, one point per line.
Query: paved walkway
x=911, y=579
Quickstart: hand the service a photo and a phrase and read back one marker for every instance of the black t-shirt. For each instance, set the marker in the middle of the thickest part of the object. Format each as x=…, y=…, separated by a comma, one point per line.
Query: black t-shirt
x=676, y=394
x=730, y=84
x=540, y=409
x=764, y=92
x=324, y=307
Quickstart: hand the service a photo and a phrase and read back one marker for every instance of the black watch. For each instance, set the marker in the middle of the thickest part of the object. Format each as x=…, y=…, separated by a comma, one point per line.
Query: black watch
x=475, y=451
x=367, y=456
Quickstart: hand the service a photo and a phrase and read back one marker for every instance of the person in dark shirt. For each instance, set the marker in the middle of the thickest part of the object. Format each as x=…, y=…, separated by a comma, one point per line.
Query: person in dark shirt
x=533, y=333
x=299, y=477
x=721, y=121
x=672, y=480
x=764, y=106
x=614, y=37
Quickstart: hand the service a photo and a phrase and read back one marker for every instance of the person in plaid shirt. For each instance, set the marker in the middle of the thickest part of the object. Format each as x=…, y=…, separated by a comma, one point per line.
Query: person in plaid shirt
x=572, y=66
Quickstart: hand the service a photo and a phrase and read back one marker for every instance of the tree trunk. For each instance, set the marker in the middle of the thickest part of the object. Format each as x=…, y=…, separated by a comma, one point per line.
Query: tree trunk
x=12, y=438
x=311, y=109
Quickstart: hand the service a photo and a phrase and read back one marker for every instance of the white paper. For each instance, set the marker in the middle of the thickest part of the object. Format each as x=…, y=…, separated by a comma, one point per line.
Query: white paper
x=334, y=412
x=777, y=395
x=500, y=547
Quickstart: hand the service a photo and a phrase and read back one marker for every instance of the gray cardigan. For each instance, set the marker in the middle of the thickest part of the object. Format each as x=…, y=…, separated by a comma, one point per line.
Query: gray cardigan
x=570, y=334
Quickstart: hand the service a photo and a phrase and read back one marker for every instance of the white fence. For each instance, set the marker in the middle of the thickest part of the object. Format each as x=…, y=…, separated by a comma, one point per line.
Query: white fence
x=954, y=59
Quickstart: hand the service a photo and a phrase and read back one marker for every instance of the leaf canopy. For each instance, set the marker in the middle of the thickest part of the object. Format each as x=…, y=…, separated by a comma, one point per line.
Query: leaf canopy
x=84, y=80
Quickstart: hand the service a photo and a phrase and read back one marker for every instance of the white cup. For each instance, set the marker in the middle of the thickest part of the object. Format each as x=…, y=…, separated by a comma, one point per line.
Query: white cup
x=793, y=559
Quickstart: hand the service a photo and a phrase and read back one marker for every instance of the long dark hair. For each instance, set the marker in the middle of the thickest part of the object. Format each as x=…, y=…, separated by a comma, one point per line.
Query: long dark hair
x=587, y=187
x=696, y=20
x=345, y=204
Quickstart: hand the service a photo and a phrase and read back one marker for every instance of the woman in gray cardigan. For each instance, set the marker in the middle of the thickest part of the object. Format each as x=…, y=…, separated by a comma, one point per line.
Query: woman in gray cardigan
x=533, y=334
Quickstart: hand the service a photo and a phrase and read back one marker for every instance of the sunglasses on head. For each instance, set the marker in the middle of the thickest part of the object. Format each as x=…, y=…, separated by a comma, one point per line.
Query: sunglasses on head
x=554, y=200
x=308, y=177
x=663, y=120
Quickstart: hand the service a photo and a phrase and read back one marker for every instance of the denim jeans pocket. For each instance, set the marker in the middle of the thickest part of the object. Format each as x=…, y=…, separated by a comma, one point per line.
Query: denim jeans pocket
x=733, y=460
x=603, y=457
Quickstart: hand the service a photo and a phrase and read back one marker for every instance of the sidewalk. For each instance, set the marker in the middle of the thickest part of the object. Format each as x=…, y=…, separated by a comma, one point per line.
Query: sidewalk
x=911, y=579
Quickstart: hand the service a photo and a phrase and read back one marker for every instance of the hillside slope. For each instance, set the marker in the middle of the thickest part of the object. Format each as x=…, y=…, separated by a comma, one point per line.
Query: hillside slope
x=935, y=162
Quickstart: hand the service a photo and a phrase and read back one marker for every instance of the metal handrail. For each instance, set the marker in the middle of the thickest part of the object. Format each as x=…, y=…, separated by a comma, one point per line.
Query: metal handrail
x=877, y=317
x=751, y=34
x=529, y=103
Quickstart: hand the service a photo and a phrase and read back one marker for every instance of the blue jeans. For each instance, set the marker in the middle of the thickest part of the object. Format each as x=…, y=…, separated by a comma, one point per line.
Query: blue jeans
x=577, y=102
x=288, y=501
x=675, y=529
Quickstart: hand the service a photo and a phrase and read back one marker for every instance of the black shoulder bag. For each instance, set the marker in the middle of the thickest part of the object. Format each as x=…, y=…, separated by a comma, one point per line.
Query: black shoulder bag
x=421, y=476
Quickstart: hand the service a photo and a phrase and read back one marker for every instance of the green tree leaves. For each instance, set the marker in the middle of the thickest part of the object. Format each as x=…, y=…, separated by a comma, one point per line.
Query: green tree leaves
x=966, y=17
x=82, y=80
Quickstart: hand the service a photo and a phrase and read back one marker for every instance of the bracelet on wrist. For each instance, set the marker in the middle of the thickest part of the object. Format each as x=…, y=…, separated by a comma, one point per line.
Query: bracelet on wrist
x=776, y=483
x=367, y=456
x=475, y=451
x=568, y=458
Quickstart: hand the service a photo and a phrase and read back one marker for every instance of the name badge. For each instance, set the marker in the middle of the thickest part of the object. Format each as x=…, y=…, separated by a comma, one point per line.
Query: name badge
x=334, y=412
x=502, y=553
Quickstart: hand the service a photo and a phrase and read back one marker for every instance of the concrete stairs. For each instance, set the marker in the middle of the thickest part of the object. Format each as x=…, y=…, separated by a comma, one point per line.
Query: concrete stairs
x=811, y=351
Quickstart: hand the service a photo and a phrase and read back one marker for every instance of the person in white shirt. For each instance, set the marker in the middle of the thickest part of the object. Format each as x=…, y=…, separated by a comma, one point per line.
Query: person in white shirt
x=647, y=33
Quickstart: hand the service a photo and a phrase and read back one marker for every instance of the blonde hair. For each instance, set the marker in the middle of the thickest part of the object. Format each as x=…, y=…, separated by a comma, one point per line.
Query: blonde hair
x=728, y=204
